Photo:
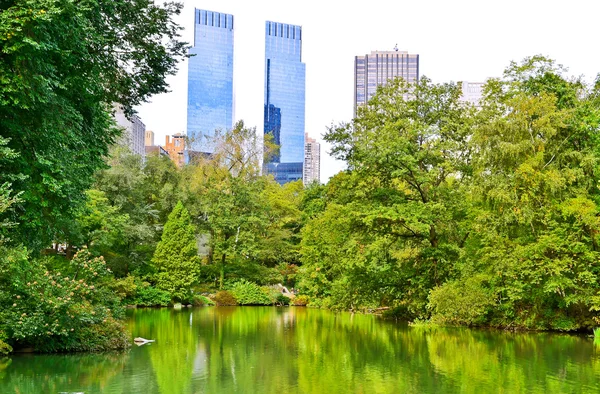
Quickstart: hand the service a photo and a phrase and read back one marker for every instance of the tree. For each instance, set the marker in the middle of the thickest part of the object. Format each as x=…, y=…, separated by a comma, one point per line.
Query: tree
x=176, y=256
x=402, y=201
x=62, y=65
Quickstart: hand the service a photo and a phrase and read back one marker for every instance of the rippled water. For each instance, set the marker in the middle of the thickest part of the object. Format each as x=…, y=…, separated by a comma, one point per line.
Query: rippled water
x=300, y=350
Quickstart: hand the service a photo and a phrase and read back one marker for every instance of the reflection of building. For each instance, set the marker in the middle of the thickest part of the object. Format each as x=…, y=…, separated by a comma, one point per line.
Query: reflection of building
x=285, y=76
x=175, y=146
x=472, y=92
x=377, y=68
x=312, y=160
x=210, y=78
x=133, y=131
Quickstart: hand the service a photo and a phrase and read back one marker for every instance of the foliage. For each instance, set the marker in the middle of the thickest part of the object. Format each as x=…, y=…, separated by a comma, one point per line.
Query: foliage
x=248, y=293
x=5, y=348
x=176, y=257
x=63, y=65
x=473, y=216
x=282, y=300
x=53, y=311
x=200, y=300
x=225, y=298
x=300, y=300
x=147, y=295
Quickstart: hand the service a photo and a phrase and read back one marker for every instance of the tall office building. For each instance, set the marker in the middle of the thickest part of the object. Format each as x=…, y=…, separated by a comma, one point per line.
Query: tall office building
x=312, y=160
x=378, y=68
x=210, y=79
x=285, y=76
x=134, y=131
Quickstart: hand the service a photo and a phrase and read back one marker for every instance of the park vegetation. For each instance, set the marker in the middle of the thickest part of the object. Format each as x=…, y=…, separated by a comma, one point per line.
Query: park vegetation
x=447, y=213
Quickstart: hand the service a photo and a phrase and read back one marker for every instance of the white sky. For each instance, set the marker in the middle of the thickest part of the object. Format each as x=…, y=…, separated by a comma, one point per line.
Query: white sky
x=468, y=40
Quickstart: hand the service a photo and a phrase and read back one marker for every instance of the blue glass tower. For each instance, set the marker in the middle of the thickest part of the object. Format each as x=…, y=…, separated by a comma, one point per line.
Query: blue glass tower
x=285, y=76
x=210, y=79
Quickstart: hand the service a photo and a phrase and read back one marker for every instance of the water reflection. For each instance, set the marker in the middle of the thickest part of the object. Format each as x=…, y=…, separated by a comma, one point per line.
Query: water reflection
x=273, y=350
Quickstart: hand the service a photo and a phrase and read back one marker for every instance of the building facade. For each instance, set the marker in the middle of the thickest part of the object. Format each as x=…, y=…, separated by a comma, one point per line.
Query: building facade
x=210, y=79
x=377, y=68
x=472, y=92
x=149, y=138
x=312, y=160
x=134, y=131
x=284, y=109
x=175, y=146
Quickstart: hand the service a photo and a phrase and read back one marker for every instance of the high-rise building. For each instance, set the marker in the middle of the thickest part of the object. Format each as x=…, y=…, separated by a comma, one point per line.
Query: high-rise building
x=133, y=131
x=210, y=79
x=472, y=92
x=312, y=160
x=378, y=68
x=285, y=76
x=149, y=138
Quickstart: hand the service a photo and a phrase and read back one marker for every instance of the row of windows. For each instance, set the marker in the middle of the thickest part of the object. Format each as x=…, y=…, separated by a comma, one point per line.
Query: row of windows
x=216, y=19
x=284, y=30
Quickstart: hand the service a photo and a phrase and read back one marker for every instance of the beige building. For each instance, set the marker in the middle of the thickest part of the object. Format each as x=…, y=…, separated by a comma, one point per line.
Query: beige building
x=377, y=68
x=312, y=160
x=149, y=140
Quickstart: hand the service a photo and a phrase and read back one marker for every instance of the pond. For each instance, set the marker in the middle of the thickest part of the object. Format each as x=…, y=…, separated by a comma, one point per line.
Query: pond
x=302, y=350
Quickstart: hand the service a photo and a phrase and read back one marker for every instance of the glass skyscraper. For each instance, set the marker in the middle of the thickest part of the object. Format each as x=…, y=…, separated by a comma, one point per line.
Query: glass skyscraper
x=377, y=68
x=285, y=76
x=210, y=79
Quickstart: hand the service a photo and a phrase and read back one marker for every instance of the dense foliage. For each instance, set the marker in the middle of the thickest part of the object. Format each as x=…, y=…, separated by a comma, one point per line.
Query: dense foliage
x=466, y=215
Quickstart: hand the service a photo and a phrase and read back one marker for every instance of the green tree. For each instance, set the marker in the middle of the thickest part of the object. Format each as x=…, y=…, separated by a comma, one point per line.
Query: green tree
x=401, y=205
x=176, y=256
x=535, y=191
x=62, y=65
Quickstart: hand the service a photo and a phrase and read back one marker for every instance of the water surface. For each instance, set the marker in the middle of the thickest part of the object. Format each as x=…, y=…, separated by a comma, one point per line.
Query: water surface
x=300, y=350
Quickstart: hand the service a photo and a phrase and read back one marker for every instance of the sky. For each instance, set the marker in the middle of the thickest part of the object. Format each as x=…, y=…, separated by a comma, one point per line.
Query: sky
x=461, y=40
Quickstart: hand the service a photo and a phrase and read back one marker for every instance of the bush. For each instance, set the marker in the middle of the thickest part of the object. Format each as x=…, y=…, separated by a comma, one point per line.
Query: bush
x=147, y=295
x=248, y=293
x=225, y=298
x=200, y=300
x=5, y=348
x=282, y=300
x=53, y=311
x=461, y=303
x=300, y=300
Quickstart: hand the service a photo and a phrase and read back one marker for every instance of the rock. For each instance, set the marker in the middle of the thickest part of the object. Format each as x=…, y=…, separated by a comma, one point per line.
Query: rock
x=177, y=306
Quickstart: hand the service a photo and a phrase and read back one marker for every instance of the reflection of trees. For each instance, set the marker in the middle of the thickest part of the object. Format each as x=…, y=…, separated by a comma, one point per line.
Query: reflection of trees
x=274, y=350
x=62, y=373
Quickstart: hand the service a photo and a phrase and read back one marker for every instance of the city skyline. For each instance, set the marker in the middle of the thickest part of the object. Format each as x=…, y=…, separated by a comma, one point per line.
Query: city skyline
x=462, y=41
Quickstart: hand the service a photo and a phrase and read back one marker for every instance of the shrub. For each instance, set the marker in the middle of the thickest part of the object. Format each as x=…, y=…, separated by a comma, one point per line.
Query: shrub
x=200, y=300
x=225, y=298
x=248, y=293
x=301, y=300
x=282, y=300
x=54, y=312
x=461, y=303
x=5, y=348
x=147, y=295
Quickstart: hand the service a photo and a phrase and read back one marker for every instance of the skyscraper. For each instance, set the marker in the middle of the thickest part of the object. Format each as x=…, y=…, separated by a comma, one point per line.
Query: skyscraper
x=285, y=76
x=377, y=68
x=472, y=92
x=210, y=78
x=312, y=160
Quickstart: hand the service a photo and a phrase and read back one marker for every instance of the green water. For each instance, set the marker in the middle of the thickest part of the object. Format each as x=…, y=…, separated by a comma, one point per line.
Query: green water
x=300, y=350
